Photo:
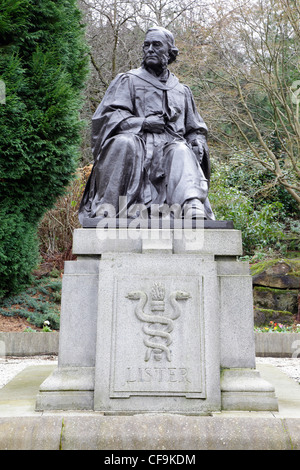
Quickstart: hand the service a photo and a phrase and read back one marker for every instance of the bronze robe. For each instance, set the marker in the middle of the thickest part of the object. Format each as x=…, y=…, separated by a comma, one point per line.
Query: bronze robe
x=147, y=168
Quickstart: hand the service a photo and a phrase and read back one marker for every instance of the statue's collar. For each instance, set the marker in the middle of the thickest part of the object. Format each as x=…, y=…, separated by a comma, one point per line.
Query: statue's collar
x=142, y=73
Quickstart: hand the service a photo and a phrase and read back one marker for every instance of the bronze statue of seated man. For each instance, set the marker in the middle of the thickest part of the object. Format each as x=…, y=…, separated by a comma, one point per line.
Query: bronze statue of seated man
x=149, y=141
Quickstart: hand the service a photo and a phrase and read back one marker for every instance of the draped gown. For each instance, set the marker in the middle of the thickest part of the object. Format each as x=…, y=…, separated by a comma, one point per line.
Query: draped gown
x=143, y=167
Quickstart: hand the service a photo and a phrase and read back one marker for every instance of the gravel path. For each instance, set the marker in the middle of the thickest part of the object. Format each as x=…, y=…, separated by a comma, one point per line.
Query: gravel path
x=11, y=366
x=290, y=366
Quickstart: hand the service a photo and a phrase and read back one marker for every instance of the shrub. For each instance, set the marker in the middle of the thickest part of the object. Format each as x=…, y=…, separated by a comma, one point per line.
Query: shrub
x=260, y=227
x=56, y=229
x=39, y=303
x=18, y=250
x=43, y=65
x=258, y=183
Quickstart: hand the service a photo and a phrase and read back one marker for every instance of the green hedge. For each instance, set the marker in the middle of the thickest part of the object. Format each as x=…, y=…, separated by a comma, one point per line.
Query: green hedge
x=43, y=63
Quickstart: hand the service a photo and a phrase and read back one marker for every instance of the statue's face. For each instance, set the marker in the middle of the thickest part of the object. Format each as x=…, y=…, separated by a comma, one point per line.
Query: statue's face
x=156, y=50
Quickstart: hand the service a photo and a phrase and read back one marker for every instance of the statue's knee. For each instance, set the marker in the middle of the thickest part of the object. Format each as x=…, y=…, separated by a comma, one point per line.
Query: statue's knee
x=181, y=149
x=124, y=140
x=183, y=154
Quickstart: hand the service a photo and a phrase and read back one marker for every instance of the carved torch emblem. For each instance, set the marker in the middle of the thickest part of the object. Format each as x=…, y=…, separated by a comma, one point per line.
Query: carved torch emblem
x=159, y=325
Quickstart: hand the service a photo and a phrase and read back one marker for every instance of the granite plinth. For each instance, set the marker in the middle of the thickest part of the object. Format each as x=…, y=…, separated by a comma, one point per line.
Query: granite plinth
x=100, y=222
x=156, y=320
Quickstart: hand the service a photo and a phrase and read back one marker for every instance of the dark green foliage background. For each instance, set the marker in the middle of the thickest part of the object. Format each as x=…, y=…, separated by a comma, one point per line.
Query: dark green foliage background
x=43, y=63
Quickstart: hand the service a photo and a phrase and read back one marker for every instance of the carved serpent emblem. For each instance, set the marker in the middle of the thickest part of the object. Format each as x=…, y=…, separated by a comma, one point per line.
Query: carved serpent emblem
x=157, y=328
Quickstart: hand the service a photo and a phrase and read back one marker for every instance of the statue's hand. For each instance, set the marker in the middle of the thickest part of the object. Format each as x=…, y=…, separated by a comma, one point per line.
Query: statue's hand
x=154, y=123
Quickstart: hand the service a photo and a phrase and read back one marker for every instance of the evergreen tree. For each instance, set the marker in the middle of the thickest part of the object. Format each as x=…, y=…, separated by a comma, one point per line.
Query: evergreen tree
x=43, y=64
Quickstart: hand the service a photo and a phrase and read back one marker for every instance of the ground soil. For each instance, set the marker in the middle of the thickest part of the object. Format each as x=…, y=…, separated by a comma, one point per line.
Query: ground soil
x=15, y=324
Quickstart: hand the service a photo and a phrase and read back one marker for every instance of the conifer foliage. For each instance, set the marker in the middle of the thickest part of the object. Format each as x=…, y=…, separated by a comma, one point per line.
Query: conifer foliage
x=43, y=64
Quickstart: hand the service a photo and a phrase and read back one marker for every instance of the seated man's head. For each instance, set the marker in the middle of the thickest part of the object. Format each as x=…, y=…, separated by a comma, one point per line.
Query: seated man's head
x=159, y=49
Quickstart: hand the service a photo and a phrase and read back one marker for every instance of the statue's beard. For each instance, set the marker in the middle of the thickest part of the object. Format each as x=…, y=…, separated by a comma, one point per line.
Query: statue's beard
x=164, y=59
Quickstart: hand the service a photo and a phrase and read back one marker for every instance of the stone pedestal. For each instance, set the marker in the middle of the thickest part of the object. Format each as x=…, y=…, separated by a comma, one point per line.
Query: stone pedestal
x=156, y=320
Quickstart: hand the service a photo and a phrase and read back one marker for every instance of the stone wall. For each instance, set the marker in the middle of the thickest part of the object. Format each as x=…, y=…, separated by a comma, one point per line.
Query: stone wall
x=276, y=291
